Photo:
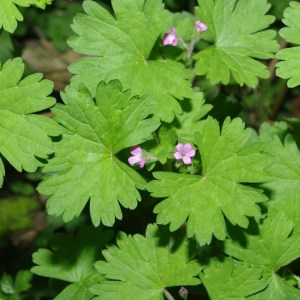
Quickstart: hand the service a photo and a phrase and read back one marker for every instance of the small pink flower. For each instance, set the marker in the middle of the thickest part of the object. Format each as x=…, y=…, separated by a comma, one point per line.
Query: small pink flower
x=200, y=27
x=185, y=152
x=170, y=38
x=137, y=157
x=183, y=293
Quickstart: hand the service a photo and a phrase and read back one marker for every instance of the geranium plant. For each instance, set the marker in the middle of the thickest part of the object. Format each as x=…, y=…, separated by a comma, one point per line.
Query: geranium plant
x=146, y=128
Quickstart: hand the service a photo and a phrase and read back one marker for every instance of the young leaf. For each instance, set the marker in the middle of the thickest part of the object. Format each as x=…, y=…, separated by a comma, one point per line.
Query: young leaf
x=95, y=132
x=188, y=121
x=22, y=281
x=7, y=285
x=230, y=159
x=71, y=259
x=121, y=48
x=12, y=289
x=167, y=138
x=141, y=267
x=9, y=13
x=182, y=128
x=239, y=37
x=289, y=67
x=231, y=279
x=24, y=136
x=275, y=246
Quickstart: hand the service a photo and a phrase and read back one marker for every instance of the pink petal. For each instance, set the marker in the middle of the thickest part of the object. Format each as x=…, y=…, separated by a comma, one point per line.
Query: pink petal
x=187, y=147
x=191, y=153
x=133, y=160
x=178, y=155
x=200, y=27
x=186, y=160
x=183, y=292
x=170, y=38
x=179, y=147
x=175, y=41
x=166, y=40
x=142, y=162
x=136, y=150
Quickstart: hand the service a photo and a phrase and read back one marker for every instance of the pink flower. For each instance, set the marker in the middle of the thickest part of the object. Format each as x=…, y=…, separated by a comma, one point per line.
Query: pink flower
x=185, y=152
x=183, y=293
x=170, y=38
x=200, y=27
x=137, y=157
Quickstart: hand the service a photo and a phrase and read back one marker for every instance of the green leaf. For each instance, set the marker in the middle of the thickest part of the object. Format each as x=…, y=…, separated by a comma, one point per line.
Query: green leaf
x=22, y=281
x=95, y=133
x=184, y=22
x=267, y=132
x=42, y=3
x=277, y=289
x=182, y=128
x=230, y=159
x=71, y=259
x=24, y=136
x=167, y=138
x=188, y=121
x=231, y=279
x=121, y=48
x=80, y=290
x=262, y=249
x=289, y=67
x=284, y=178
x=141, y=267
x=239, y=38
x=7, y=284
x=9, y=13
x=275, y=246
x=12, y=289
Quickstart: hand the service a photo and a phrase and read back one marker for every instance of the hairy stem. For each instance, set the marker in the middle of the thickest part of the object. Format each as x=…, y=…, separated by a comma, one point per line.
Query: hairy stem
x=167, y=294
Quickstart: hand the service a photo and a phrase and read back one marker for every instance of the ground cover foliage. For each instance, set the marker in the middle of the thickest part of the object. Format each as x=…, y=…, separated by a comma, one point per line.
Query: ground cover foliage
x=168, y=167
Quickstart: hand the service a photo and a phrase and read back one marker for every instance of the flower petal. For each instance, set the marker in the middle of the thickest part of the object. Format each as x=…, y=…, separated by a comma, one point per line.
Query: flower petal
x=191, y=153
x=178, y=155
x=170, y=38
x=142, y=162
x=200, y=27
x=187, y=147
x=133, y=160
x=179, y=147
x=186, y=160
x=136, y=150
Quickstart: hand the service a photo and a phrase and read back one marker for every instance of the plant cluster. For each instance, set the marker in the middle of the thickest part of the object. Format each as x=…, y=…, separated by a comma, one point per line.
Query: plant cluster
x=185, y=198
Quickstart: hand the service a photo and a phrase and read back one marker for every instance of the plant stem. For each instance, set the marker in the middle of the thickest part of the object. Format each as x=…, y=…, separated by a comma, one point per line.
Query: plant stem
x=167, y=294
x=190, y=50
x=156, y=138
